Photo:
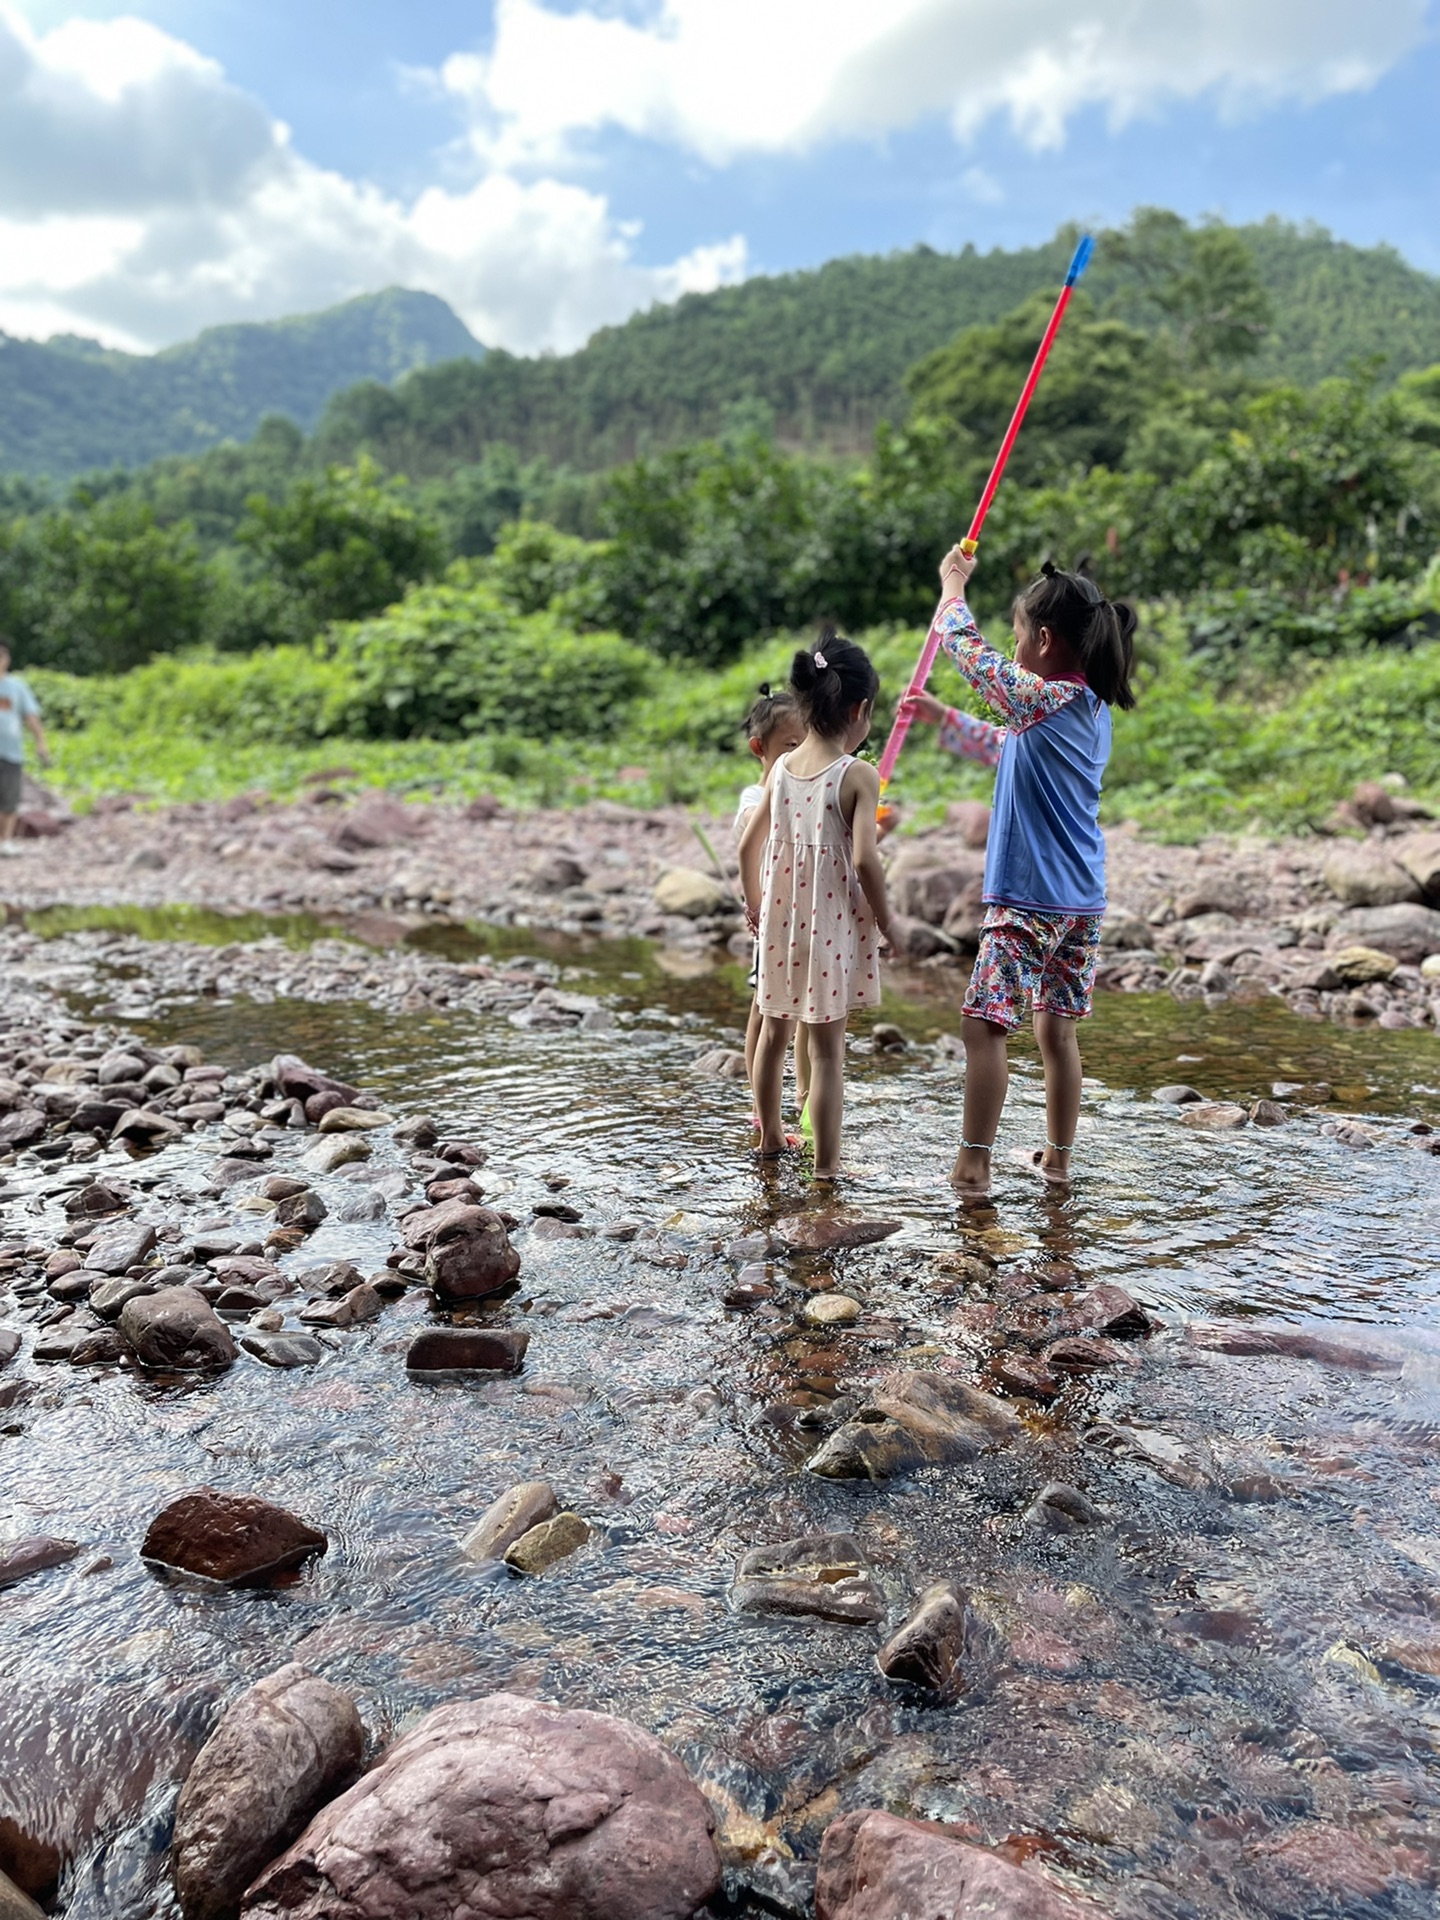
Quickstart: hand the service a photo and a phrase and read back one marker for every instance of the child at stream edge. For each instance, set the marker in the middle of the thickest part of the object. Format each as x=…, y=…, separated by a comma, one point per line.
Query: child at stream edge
x=772, y=726
x=1045, y=863
x=815, y=891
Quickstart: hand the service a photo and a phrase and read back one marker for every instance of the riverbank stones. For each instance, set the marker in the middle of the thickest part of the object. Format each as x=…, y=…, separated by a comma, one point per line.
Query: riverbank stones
x=509, y=1518
x=830, y=1232
x=34, y=1553
x=547, y=1544
x=468, y=1350
x=877, y=1866
x=822, y=1576
x=915, y=1419
x=831, y=1310
x=232, y=1538
x=505, y=1805
x=280, y=1750
x=176, y=1329
x=929, y=1648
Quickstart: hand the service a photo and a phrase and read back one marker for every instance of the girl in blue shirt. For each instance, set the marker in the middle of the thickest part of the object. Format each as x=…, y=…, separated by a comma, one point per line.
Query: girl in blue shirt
x=1045, y=861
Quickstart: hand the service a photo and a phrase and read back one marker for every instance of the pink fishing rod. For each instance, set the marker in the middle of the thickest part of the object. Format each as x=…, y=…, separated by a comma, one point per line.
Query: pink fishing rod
x=972, y=539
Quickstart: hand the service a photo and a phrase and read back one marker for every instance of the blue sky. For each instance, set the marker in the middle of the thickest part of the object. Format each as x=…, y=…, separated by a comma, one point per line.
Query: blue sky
x=550, y=165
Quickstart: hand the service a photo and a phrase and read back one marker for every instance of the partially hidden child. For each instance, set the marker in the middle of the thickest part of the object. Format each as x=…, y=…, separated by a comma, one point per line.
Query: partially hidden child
x=815, y=891
x=772, y=726
x=1045, y=864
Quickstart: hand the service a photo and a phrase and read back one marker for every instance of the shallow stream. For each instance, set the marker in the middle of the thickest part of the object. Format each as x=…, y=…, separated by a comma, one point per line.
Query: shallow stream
x=1224, y=1701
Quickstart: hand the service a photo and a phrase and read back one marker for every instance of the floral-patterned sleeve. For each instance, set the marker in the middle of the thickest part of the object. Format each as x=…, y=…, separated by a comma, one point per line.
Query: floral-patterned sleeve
x=973, y=739
x=1023, y=698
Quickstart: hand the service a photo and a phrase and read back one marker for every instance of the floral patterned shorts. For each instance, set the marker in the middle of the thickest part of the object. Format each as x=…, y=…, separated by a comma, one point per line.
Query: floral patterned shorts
x=1050, y=956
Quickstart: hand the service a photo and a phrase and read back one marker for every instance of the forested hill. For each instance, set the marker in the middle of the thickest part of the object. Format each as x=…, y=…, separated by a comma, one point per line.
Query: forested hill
x=68, y=405
x=821, y=355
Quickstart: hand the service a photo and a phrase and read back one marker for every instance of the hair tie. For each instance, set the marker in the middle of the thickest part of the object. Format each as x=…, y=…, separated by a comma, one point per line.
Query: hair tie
x=820, y=659
x=764, y=689
x=1048, y=568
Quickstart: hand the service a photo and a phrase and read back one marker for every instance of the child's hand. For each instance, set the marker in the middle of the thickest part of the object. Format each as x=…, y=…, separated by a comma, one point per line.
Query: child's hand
x=887, y=942
x=752, y=919
x=923, y=707
x=887, y=818
x=955, y=569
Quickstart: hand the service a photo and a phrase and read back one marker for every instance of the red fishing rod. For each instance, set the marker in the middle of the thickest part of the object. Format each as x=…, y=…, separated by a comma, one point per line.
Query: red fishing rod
x=972, y=539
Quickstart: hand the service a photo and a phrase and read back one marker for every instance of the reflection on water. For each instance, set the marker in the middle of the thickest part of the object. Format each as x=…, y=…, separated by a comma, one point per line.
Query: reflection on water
x=1172, y=1707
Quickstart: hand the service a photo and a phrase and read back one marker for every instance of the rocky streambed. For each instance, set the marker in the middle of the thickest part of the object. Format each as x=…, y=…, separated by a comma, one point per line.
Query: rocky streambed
x=1344, y=926
x=421, y=1418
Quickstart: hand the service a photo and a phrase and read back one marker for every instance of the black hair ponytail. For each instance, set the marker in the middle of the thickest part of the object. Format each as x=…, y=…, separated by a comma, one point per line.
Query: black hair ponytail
x=831, y=679
x=1100, y=633
x=767, y=710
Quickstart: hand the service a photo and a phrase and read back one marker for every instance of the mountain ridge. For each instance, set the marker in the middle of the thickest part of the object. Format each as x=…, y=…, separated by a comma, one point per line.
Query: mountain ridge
x=69, y=405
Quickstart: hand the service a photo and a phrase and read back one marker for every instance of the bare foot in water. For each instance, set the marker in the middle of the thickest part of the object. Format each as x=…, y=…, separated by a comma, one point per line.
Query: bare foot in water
x=970, y=1175
x=1052, y=1166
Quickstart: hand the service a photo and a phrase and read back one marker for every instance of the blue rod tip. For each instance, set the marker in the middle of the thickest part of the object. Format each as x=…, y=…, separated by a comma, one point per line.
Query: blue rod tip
x=1081, y=260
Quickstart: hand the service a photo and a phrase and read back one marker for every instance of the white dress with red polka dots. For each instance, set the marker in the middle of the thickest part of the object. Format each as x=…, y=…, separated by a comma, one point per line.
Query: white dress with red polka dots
x=819, y=954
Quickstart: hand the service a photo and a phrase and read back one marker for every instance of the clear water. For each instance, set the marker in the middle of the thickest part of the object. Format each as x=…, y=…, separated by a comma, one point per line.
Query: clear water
x=1198, y=1709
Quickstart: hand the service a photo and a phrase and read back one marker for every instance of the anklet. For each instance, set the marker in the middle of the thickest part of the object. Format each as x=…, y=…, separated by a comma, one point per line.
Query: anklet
x=976, y=1146
x=1055, y=1147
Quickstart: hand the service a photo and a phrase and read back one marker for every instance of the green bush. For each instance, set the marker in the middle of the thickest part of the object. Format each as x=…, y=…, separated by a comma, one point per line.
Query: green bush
x=453, y=659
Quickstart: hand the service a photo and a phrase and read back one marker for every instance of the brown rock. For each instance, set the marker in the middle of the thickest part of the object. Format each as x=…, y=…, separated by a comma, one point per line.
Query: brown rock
x=1294, y=1344
x=824, y=1576
x=466, y=1263
x=468, y=1349
x=1405, y=933
x=971, y=820
x=1213, y=894
x=303, y=1210
x=176, y=1328
x=1366, y=876
x=927, y=877
x=876, y=1866
x=1110, y=1310
x=35, y=1553
x=826, y=1232
x=284, y=1747
x=128, y=1246
x=914, y=939
x=547, y=1543
x=514, y=1514
x=505, y=1806
x=1419, y=855
x=230, y=1537
x=15, y=1905
x=1024, y=1375
x=915, y=1419
x=928, y=1650
x=346, y=1119
x=1214, y=1116
x=22, y=1128
x=1361, y=966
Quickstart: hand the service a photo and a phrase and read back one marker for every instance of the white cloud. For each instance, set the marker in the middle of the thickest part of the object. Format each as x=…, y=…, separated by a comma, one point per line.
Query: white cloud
x=725, y=78
x=142, y=196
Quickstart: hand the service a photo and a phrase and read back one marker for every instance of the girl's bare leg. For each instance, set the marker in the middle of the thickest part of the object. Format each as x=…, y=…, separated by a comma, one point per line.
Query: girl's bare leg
x=802, y=1064
x=1060, y=1051
x=987, y=1079
x=827, y=1094
x=769, y=1081
x=752, y=1041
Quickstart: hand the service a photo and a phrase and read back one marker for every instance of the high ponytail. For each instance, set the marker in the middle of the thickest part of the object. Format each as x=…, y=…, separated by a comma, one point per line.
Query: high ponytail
x=1100, y=633
x=831, y=679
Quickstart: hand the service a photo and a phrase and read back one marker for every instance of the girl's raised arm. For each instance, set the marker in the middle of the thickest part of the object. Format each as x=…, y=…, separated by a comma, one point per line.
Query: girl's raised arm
x=1022, y=697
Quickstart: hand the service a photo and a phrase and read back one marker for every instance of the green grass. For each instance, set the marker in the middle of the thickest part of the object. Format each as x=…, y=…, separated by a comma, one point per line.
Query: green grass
x=1193, y=758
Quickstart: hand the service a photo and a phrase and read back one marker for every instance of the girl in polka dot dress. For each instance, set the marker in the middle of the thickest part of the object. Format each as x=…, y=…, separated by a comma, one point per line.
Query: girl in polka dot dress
x=815, y=892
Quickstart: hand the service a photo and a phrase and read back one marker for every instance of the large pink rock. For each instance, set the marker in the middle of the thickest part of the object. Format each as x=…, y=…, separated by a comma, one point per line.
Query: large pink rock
x=505, y=1807
x=875, y=1866
x=279, y=1750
